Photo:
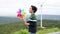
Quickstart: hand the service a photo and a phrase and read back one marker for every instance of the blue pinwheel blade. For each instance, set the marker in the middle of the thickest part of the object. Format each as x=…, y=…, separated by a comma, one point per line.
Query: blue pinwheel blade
x=20, y=10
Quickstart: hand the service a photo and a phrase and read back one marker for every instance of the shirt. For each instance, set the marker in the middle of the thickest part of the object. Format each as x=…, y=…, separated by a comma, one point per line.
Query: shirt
x=32, y=21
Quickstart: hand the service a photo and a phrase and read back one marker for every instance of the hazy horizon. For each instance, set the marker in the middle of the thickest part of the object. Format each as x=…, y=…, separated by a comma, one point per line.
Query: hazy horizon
x=7, y=19
x=27, y=15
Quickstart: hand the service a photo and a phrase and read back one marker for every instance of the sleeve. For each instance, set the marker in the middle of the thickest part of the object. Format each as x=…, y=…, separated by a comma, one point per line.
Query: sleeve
x=26, y=18
x=33, y=23
x=30, y=23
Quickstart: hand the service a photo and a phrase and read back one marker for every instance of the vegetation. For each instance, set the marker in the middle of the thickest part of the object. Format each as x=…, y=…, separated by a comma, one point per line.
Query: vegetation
x=44, y=31
x=11, y=27
x=20, y=27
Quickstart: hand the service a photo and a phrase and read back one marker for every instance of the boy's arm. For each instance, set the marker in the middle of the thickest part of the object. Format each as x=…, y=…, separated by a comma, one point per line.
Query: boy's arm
x=26, y=22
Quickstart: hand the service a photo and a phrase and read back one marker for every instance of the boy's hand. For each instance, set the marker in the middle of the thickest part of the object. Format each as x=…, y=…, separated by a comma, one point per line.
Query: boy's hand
x=26, y=23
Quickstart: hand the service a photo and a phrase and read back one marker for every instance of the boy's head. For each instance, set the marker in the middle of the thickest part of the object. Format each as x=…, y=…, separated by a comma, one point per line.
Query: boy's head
x=32, y=9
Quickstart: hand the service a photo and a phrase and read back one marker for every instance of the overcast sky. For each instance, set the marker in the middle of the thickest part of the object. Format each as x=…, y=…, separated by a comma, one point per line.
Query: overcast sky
x=10, y=7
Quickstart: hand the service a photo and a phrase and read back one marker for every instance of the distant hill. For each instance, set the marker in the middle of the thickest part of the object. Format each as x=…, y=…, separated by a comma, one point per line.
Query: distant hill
x=49, y=17
x=8, y=20
x=15, y=19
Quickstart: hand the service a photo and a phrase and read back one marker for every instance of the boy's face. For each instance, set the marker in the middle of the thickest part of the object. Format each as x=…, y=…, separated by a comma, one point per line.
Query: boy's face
x=30, y=10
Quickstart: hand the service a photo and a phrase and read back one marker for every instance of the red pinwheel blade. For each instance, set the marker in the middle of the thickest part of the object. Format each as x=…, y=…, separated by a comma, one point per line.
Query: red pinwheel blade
x=20, y=16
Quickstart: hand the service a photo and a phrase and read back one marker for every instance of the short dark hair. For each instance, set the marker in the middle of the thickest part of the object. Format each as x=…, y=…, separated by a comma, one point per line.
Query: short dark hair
x=34, y=8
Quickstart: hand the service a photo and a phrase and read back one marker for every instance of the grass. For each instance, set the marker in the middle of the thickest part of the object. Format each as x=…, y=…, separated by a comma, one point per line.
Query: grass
x=44, y=31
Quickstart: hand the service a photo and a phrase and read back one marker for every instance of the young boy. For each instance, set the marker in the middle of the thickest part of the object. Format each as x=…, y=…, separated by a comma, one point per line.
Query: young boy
x=31, y=22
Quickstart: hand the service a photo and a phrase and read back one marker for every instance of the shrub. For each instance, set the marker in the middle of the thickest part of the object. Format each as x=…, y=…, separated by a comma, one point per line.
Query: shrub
x=22, y=32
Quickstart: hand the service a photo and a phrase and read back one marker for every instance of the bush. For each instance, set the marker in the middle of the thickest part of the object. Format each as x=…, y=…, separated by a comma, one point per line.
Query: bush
x=22, y=32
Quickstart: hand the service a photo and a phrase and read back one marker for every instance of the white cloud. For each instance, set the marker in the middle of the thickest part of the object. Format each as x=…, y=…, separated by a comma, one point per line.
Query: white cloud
x=10, y=7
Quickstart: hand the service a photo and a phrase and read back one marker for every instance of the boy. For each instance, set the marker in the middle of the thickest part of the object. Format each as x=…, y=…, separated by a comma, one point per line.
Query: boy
x=31, y=22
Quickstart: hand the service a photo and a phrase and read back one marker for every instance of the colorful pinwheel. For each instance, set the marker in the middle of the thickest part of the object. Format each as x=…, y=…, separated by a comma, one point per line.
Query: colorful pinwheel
x=21, y=14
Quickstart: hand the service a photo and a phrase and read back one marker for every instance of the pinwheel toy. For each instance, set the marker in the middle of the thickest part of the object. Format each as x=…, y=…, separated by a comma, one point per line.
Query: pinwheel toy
x=21, y=14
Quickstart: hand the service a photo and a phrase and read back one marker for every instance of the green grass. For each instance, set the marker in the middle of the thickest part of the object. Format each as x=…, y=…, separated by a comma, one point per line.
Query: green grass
x=19, y=26
x=44, y=31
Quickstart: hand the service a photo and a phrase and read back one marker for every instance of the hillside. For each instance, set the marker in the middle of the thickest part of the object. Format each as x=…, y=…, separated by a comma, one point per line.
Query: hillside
x=17, y=26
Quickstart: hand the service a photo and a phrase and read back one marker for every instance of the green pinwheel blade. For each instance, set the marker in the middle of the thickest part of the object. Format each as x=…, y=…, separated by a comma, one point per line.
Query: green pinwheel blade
x=24, y=13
